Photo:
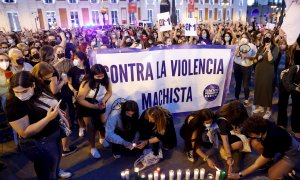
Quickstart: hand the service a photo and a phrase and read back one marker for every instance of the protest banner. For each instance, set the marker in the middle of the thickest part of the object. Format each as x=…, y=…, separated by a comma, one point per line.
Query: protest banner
x=180, y=78
x=164, y=22
x=191, y=27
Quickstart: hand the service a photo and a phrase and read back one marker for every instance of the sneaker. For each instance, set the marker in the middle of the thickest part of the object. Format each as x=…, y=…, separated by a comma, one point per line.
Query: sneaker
x=258, y=110
x=104, y=143
x=117, y=156
x=246, y=103
x=64, y=174
x=95, y=153
x=81, y=132
x=267, y=115
x=71, y=151
x=190, y=155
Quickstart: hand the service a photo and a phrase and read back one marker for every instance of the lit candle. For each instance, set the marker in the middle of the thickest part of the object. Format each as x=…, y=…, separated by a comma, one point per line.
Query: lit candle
x=178, y=174
x=187, y=174
x=218, y=173
x=196, y=173
x=150, y=176
x=162, y=176
x=123, y=174
x=127, y=172
x=143, y=176
x=171, y=175
x=202, y=173
x=210, y=176
x=155, y=175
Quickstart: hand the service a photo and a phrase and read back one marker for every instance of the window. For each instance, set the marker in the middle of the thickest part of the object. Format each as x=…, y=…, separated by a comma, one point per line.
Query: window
x=14, y=22
x=73, y=1
x=228, y=15
x=178, y=15
x=201, y=15
x=74, y=18
x=96, y=17
x=240, y=14
x=51, y=18
x=49, y=1
x=211, y=2
x=94, y=1
x=190, y=15
x=150, y=15
x=9, y=1
x=114, y=1
x=131, y=18
x=114, y=17
x=201, y=2
x=210, y=14
x=220, y=15
x=240, y=2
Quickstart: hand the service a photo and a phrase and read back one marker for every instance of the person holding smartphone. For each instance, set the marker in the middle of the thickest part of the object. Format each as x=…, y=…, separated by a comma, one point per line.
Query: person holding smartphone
x=38, y=128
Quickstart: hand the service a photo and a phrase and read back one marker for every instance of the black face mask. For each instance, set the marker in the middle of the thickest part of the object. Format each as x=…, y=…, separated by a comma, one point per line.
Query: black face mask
x=267, y=40
x=62, y=55
x=98, y=80
x=35, y=56
x=47, y=82
x=52, y=43
x=128, y=44
x=128, y=123
x=20, y=61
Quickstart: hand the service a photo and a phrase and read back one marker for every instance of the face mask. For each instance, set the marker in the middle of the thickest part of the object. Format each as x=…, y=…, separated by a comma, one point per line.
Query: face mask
x=52, y=43
x=125, y=34
x=282, y=47
x=244, y=41
x=207, y=125
x=25, y=96
x=93, y=43
x=76, y=62
x=150, y=42
x=4, y=65
x=100, y=43
x=20, y=61
x=204, y=36
x=61, y=55
x=169, y=43
x=5, y=50
x=98, y=80
x=227, y=39
x=35, y=56
x=47, y=82
x=68, y=35
x=128, y=44
x=267, y=40
x=23, y=40
x=11, y=41
x=113, y=36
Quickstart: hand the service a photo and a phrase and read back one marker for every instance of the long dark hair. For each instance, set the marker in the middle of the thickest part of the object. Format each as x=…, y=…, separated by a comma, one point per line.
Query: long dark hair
x=96, y=70
x=204, y=115
x=26, y=80
x=82, y=56
x=46, y=53
x=129, y=123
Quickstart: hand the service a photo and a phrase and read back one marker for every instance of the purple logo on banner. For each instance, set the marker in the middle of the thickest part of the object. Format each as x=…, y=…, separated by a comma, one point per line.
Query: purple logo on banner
x=211, y=92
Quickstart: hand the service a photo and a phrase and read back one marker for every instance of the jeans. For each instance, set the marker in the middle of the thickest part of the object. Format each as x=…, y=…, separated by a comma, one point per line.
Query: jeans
x=45, y=153
x=242, y=75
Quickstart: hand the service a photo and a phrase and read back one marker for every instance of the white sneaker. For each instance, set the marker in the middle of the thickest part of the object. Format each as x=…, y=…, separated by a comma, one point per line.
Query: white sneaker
x=246, y=103
x=104, y=143
x=63, y=174
x=258, y=110
x=95, y=153
x=267, y=115
x=81, y=132
x=190, y=155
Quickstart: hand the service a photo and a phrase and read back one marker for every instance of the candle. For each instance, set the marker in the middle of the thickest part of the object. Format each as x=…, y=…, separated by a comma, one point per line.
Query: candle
x=218, y=173
x=155, y=175
x=162, y=176
x=123, y=174
x=202, y=173
x=210, y=176
x=223, y=175
x=187, y=174
x=196, y=173
x=143, y=176
x=178, y=174
x=171, y=175
x=127, y=172
x=158, y=169
x=150, y=176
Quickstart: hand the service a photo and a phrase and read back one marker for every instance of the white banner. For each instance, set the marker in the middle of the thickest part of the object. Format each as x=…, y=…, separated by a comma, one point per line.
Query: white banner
x=164, y=22
x=191, y=27
x=180, y=78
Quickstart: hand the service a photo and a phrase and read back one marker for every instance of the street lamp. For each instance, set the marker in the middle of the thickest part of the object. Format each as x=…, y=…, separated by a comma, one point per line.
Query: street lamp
x=224, y=3
x=103, y=12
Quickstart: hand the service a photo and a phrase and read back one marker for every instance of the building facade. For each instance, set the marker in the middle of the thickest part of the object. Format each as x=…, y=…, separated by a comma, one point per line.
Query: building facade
x=16, y=15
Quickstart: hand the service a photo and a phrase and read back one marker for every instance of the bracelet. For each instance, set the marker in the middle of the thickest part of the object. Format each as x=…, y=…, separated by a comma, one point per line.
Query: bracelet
x=240, y=174
x=205, y=158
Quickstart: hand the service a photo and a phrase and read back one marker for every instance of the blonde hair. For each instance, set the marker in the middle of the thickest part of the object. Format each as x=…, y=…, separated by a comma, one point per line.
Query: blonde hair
x=160, y=116
x=23, y=47
x=41, y=70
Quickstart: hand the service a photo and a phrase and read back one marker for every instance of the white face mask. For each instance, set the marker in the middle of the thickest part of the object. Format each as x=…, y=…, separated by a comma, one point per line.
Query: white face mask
x=244, y=41
x=25, y=96
x=76, y=62
x=207, y=125
x=4, y=65
x=93, y=43
x=227, y=39
x=10, y=41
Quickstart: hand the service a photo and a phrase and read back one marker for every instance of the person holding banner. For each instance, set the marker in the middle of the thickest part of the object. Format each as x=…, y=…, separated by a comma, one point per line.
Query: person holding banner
x=243, y=61
x=204, y=39
x=121, y=127
x=155, y=126
x=94, y=92
x=264, y=73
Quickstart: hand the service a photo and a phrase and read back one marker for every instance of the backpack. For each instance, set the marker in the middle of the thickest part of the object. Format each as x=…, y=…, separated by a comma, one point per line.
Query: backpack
x=284, y=73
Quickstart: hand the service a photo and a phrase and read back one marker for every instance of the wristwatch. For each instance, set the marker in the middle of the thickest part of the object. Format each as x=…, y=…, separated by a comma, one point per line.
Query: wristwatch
x=240, y=174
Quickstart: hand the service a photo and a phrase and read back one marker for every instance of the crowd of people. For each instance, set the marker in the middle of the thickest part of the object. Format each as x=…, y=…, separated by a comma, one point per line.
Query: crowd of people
x=49, y=85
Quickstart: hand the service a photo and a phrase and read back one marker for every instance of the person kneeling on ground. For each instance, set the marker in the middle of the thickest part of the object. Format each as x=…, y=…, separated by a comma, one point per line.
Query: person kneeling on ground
x=121, y=127
x=274, y=140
